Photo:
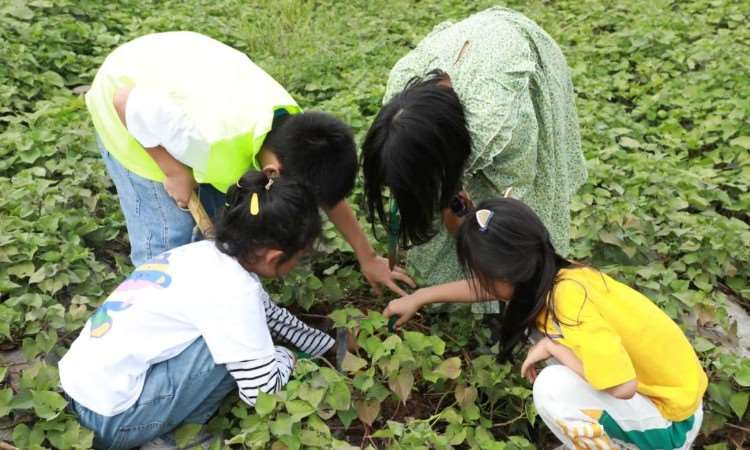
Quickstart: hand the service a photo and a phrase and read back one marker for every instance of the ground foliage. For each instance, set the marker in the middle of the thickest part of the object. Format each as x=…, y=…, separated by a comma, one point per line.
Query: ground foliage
x=663, y=100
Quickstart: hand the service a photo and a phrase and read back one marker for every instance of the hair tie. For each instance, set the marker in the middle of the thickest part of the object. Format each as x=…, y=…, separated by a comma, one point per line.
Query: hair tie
x=483, y=219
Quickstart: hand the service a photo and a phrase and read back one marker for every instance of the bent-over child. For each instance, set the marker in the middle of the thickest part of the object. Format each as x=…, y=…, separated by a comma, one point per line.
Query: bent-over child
x=194, y=323
x=627, y=375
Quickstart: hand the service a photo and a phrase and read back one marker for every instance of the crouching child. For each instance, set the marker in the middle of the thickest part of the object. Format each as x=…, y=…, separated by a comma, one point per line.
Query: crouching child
x=193, y=324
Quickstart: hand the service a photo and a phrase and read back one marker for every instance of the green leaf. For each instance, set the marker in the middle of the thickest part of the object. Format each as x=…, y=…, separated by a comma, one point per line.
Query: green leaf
x=353, y=363
x=401, y=384
x=311, y=395
x=264, y=404
x=738, y=403
x=630, y=143
x=47, y=404
x=339, y=396
x=281, y=425
x=185, y=433
x=347, y=417
x=702, y=344
x=465, y=396
x=299, y=409
x=450, y=368
x=367, y=410
x=741, y=141
x=6, y=397
x=742, y=376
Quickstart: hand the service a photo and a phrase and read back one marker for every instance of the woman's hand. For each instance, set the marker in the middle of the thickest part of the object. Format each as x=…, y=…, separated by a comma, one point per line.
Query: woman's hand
x=376, y=271
x=538, y=353
x=404, y=307
x=179, y=184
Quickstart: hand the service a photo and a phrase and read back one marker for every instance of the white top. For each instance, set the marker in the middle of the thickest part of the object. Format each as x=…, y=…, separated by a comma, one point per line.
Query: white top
x=165, y=304
x=154, y=119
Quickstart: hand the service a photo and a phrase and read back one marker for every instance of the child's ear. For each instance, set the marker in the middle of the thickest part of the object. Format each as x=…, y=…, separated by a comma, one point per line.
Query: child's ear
x=273, y=257
x=270, y=164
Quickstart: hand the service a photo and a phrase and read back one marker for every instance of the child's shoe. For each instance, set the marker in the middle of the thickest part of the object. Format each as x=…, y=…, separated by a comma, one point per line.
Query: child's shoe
x=203, y=440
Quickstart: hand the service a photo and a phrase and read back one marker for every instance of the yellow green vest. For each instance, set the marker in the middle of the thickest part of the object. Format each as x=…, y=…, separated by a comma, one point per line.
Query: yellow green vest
x=230, y=100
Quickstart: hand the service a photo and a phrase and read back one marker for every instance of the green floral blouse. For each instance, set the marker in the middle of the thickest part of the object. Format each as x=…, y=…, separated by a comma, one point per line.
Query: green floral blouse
x=518, y=98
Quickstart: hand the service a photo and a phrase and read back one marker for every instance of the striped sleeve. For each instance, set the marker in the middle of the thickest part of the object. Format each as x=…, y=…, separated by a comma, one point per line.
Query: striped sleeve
x=284, y=326
x=267, y=374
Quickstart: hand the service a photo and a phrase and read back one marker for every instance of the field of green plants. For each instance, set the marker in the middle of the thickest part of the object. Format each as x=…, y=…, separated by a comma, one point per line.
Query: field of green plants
x=664, y=104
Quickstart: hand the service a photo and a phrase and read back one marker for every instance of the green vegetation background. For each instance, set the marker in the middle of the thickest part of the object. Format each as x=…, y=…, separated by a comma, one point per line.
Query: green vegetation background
x=664, y=105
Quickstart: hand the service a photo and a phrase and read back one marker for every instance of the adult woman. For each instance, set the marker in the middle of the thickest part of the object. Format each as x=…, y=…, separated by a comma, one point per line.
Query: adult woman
x=478, y=107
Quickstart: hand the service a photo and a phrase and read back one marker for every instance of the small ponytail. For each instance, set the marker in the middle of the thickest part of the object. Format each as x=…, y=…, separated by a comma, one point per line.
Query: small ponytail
x=261, y=212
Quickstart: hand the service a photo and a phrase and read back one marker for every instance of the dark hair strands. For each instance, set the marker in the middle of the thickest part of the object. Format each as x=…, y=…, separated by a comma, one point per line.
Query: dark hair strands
x=317, y=149
x=417, y=146
x=288, y=219
x=516, y=248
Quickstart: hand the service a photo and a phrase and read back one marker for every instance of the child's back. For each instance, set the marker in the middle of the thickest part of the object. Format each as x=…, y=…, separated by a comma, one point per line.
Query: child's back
x=166, y=304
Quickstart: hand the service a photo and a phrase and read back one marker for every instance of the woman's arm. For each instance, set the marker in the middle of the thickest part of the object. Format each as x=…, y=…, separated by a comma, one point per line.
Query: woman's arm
x=374, y=268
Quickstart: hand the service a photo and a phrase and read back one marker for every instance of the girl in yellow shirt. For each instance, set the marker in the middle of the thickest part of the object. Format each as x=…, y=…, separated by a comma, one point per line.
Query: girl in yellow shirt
x=624, y=374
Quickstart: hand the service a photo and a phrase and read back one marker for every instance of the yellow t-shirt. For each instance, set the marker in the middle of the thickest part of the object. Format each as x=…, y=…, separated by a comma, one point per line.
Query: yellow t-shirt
x=619, y=334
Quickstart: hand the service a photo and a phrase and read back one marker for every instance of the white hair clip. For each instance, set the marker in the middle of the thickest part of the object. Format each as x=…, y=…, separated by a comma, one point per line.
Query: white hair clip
x=483, y=219
x=269, y=184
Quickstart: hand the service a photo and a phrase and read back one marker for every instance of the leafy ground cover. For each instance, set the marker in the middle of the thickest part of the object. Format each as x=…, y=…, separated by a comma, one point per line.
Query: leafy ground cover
x=664, y=105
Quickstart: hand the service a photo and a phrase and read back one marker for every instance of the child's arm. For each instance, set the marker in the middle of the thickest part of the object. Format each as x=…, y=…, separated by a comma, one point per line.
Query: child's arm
x=547, y=348
x=374, y=268
x=461, y=291
x=284, y=325
x=262, y=374
x=179, y=182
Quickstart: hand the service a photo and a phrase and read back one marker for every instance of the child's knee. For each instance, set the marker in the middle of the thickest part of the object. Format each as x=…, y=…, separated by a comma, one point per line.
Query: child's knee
x=551, y=382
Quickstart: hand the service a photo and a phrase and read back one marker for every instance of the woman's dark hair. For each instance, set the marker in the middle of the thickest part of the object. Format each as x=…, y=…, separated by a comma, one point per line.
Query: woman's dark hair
x=417, y=146
x=287, y=218
x=318, y=149
x=515, y=248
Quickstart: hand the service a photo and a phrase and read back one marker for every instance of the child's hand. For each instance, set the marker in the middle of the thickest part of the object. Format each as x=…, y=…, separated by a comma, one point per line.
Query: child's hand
x=538, y=353
x=179, y=185
x=404, y=307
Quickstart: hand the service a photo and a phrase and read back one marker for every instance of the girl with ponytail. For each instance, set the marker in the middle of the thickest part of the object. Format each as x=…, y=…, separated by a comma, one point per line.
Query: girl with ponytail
x=624, y=374
x=195, y=323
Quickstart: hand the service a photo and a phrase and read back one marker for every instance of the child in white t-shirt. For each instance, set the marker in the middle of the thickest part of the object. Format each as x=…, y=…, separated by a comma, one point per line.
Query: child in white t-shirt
x=187, y=327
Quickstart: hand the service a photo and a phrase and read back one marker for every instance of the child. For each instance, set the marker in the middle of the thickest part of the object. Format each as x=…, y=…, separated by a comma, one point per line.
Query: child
x=626, y=372
x=187, y=327
x=178, y=111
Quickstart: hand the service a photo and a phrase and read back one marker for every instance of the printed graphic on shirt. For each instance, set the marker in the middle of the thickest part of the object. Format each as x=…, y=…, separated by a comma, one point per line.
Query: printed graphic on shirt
x=152, y=274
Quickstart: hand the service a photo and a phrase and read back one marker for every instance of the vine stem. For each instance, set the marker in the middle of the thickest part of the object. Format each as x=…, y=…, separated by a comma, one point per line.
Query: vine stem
x=737, y=427
x=508, y=422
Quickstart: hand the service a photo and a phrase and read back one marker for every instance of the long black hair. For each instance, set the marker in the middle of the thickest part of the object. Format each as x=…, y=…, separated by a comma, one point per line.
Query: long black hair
x=417, y=146
x=287, y=218
x=514, y=248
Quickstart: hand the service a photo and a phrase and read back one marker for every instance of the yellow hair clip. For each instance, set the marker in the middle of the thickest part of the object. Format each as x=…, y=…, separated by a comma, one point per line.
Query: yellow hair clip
x=254, y=204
